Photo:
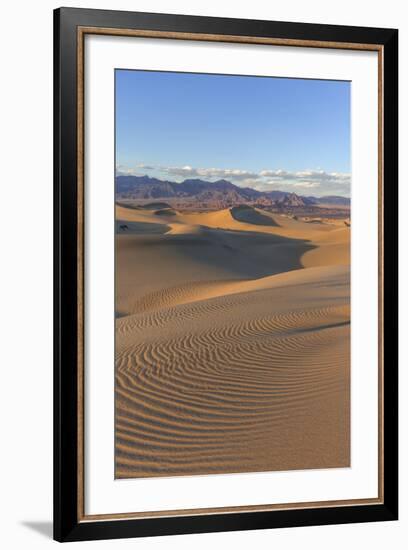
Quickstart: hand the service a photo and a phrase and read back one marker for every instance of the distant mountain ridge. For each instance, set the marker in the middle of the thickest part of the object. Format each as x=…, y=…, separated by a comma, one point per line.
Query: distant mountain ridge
x=220, y=192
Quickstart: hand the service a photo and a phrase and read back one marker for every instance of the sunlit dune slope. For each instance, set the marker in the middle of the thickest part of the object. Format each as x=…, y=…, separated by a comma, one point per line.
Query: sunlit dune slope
x=232, y=342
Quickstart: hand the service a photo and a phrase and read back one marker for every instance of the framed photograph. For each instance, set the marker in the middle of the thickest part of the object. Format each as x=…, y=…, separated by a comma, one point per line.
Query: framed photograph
x=225, y=274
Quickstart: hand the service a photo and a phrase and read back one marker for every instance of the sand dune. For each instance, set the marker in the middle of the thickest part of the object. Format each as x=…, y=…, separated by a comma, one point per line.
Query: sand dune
x=232, y=343
x=253, y=216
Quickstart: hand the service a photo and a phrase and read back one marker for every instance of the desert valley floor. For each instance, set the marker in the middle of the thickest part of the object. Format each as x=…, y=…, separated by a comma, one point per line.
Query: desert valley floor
x=232, y=342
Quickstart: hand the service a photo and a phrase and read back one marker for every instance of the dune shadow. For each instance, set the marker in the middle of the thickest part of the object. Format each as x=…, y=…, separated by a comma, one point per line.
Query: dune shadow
x=123, y=227
x=120, y=314
x=126, y=204
x=165, y=212
x=239, y=254
x=155, y=206
x=248, y=214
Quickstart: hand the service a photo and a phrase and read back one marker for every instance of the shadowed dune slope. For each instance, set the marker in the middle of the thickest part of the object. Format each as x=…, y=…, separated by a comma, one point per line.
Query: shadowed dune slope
x=251, y=215
x=232, y=344
x=194, y=254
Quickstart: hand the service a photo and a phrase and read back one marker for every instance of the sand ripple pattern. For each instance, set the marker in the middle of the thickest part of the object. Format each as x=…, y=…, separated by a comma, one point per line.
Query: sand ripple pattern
x=248, y=381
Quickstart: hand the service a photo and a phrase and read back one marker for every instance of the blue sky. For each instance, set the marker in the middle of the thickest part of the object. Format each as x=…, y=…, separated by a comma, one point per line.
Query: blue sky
x=261, y=132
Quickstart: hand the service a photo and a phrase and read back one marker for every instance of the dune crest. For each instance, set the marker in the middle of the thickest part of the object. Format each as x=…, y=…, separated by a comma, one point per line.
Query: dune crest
x=232, y=342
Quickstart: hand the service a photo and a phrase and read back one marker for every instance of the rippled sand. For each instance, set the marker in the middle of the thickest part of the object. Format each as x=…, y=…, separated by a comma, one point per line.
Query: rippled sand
x=232, y=343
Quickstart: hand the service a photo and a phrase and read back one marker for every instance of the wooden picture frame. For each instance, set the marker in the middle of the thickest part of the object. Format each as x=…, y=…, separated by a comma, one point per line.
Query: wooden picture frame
x=71, y=25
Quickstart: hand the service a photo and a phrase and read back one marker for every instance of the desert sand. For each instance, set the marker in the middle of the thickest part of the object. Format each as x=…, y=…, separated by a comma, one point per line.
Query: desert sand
x=232, y=342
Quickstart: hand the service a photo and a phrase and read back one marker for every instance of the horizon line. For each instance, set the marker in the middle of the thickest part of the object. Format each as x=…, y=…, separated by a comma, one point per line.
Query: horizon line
x=197, y=178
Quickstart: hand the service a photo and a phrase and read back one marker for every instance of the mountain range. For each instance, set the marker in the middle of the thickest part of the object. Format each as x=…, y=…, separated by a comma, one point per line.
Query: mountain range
x=221, y=192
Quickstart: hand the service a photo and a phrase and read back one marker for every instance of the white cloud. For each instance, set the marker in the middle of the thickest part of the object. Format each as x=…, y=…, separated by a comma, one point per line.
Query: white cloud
x=307, y=184
x=302, y=181
x=145, y=166
x=307, y=176
x=217, y=173
x=278, y=174
x=126, y=171
x=322, y=182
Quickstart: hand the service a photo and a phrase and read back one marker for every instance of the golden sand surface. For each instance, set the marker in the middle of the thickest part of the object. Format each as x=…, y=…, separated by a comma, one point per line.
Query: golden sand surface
x=232, y=342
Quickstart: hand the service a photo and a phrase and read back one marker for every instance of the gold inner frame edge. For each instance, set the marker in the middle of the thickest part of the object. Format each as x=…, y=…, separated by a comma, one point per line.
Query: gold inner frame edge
x=81, y=33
